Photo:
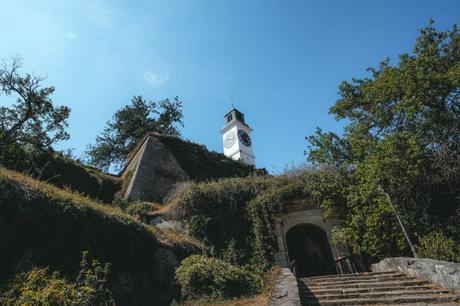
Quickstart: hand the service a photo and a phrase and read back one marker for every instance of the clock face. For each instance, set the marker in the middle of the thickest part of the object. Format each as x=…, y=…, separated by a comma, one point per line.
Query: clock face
x=244, y=138
x=229, y=139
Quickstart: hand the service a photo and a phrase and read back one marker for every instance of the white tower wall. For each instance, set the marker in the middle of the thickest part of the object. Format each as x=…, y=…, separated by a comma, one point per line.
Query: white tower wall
x=236, y=137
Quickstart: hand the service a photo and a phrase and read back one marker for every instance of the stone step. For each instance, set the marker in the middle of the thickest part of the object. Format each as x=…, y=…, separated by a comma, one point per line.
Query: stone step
x=364, y=290
x=313, y=288
x=382, y=294
x=387, y=300
x=357, y=280
x=352, y=277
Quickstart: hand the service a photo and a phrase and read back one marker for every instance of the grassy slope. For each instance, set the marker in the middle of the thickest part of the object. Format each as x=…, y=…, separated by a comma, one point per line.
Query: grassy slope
x=84, y=179
x=43, y=225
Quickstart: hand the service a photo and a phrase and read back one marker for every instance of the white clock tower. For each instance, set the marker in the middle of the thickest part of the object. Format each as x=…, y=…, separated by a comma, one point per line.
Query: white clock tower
x=236, y=135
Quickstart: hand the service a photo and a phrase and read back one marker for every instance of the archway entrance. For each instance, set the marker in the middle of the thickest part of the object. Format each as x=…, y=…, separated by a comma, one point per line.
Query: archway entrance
x=309, y=251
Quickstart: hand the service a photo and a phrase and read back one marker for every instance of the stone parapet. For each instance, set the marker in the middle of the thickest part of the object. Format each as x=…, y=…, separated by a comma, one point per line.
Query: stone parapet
x=285, y=291
x=443, y=273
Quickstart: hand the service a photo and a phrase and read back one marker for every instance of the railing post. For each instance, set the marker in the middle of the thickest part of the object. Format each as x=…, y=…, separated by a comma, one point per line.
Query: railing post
x=399, y=221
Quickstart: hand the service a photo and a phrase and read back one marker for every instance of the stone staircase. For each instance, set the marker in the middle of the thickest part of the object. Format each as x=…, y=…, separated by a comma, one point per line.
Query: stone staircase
x=373, y=288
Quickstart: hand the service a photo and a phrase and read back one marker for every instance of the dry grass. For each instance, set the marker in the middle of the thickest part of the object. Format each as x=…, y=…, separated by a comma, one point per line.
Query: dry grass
x=257, y=300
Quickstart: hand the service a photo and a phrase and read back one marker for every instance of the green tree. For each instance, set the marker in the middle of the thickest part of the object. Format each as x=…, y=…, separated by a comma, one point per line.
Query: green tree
x=31, y=123
x=403, y=135
x=129, y=125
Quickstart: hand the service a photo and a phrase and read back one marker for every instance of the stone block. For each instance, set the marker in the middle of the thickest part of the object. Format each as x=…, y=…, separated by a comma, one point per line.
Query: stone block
x=446, y=274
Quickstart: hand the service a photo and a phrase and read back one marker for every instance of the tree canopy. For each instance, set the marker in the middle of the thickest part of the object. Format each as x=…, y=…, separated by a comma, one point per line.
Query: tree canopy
x=129, y=125
x=31, y=123
x=402, y=136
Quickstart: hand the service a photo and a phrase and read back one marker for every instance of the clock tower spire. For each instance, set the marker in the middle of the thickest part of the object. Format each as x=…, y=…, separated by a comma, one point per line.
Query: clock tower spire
x=236, y=135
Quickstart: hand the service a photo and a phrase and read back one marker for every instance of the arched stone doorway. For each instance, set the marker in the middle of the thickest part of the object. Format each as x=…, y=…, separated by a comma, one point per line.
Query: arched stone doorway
x=309, y=251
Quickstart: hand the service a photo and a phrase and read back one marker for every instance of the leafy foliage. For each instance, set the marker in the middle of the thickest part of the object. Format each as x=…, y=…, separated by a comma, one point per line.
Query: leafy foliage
x=436, y=245
x=129, y=125
x=32, y=121
x=31, y=124
x=403, y=136
x=201, y=276
x=39, y=286
x=92, y=281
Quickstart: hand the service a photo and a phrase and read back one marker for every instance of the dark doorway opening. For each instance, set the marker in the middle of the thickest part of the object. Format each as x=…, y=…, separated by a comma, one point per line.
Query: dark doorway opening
x=309, y=251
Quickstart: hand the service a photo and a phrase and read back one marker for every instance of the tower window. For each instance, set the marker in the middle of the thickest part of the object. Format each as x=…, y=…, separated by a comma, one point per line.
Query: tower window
x=229, y=118
x=239, y=116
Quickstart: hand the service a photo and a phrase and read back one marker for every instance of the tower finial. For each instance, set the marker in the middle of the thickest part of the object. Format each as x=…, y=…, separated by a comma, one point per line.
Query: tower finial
x=231, y=100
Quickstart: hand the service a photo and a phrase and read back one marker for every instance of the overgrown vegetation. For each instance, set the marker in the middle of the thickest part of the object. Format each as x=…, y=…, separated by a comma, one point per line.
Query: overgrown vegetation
x=203, y=165
x=436, y=245
x=403, y=138
x=235, y=217
x=143, y=211
x=65, y=172
x=41, y=287
x=201, y=276
x=260, y=298
x=43, y=225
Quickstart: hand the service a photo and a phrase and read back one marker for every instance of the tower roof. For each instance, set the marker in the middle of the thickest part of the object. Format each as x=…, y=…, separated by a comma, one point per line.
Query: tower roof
x=234, y=114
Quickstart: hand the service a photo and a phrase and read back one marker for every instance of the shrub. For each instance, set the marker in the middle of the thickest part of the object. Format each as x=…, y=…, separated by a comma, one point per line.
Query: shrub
x=143, y=211
x=436, y=245
x=40, y=287
x=201, y=276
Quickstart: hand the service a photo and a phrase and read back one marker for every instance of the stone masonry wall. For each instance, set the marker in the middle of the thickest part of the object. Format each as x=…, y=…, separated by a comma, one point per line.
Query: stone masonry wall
x=443, y=273
x=155, y=173
x=285, y=291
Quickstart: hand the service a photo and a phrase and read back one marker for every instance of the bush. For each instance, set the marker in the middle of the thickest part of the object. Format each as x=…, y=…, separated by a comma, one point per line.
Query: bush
x=436, y=245
x=40, y=287
x=201, y=276
x=143, y=211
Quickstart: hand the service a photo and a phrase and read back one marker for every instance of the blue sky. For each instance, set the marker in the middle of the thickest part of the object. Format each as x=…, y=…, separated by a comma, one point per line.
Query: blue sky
x=280, y=62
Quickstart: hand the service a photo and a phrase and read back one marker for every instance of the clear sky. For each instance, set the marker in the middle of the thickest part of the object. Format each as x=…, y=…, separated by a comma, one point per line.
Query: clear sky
x=280, y=62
